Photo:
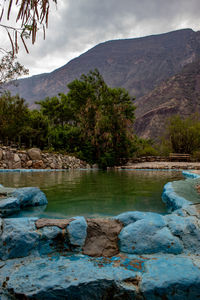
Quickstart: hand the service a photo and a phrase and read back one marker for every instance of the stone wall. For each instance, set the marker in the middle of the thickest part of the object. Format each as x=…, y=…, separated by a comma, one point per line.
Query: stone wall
x=34, y=158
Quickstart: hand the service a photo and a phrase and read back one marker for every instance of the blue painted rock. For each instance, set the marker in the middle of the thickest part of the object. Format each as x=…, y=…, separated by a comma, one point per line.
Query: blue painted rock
x=149, y=236
x=77, y=232
x=172, y=200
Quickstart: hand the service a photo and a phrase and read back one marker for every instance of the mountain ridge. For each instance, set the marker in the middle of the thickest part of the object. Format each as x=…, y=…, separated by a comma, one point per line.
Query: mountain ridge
x=137, y=64
x=180, y=94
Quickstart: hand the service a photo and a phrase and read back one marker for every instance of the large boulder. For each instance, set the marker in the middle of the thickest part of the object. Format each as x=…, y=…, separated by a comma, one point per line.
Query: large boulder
x=30, y=196
x=148, y=237
x=35, y=154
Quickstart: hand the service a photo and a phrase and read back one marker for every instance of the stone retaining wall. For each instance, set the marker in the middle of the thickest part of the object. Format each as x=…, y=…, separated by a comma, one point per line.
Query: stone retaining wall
x=11, y=158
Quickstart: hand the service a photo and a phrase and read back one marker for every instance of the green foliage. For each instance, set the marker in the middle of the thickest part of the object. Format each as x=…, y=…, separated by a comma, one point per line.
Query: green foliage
x=10, y=69
x=36, y=130
x=145, y=148
x=13, y=115
x=105, y=118
x=93, y=121
x=183, y=135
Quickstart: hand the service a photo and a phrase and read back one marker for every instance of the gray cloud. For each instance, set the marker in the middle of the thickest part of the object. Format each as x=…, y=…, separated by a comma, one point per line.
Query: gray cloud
x=78, y=25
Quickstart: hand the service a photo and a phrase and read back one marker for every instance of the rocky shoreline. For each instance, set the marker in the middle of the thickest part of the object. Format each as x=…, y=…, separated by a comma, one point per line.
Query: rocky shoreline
x=34, y=158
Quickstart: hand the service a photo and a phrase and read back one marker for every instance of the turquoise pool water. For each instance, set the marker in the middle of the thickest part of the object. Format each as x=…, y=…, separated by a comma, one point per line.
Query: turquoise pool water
x=94, y=193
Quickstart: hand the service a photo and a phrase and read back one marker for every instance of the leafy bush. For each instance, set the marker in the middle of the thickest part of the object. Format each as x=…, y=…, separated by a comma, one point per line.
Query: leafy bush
x=183, y=135
x=145, y=148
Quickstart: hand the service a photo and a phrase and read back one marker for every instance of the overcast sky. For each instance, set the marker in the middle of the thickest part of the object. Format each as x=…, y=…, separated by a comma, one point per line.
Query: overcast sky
x=78, y=25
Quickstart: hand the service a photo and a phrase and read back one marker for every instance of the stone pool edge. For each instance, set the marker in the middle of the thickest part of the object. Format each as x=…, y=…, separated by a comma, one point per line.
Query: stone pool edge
x=176, y=203
x=127, y=274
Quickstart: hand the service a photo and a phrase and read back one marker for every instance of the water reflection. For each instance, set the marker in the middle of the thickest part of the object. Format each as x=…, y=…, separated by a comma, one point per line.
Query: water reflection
x=95, y=193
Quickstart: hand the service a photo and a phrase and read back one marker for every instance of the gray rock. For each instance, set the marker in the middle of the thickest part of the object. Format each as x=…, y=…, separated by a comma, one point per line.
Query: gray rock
x=23, y=157
x=38, y=164
x=52, y=165
x=17, y=165
x=35, y=154
x=29, y=163
x=16, y=158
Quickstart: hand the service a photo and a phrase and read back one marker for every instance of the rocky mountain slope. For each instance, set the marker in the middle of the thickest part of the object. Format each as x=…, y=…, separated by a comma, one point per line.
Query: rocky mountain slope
x=138, y=65
x=180, y=94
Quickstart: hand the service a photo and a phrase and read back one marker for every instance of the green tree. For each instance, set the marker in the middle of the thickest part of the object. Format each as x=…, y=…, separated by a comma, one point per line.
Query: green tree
x=105, y=117
x=183, y=135
x=10, y=69
x=14, y=114
x=57, y=109
x=36, y=130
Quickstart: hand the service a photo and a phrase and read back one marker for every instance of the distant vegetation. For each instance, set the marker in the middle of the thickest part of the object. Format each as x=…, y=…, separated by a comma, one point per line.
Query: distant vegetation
x=183, y=135
x=93, y=121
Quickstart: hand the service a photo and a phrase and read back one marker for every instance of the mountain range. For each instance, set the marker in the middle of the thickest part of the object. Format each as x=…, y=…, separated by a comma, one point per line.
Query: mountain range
x=161, y=71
